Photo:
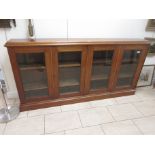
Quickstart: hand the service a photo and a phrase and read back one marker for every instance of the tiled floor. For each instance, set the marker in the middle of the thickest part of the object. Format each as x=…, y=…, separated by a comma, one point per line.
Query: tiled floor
x=130, y=115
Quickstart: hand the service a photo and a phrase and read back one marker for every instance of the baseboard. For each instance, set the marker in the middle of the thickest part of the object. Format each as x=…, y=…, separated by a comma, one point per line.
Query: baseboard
x=12, y=94
x=71, y=100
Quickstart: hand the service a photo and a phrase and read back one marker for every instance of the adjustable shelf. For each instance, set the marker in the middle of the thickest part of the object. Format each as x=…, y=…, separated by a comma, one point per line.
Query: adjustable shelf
x=102, y=61
x=99, y=77
x=31, y=67
x=70, y=82
x=35, y=86
x=69, y=64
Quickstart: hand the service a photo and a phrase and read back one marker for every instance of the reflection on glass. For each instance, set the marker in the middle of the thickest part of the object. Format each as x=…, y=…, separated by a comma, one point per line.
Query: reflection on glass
x=33, y=74
x=128, y=67
x=69, y=71
x=102, y=61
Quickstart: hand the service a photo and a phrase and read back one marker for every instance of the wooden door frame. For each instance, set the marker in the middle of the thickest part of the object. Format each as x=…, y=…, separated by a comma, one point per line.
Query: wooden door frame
x=91, y=49
x=17, y=75
x=71, y=48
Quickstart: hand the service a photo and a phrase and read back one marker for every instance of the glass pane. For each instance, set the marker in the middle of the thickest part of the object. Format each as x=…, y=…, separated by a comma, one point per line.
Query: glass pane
x=33, y=74
x=102, y=61
x=69, y=71
x=128, y=67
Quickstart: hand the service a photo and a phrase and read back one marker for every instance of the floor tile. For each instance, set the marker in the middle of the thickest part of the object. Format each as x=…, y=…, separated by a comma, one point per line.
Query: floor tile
x=26, y=126
x=120, y=128
x=77, y=106
x=2, y=127
x=146, y=124
x=94, y=130
x=146, y=93
x=44, y=111
x=95, y=116
x=102, y=103
x=22, y=114
x=56, y=133
x=124, y=111
x=146, y=107
x=127, y=99
x=62, y=121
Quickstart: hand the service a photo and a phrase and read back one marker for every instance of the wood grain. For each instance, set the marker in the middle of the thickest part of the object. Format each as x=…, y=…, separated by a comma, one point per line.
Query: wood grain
x=52, y=47
x=88, y=41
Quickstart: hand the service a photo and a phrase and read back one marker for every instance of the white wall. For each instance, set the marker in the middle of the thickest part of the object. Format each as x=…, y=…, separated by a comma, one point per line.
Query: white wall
x=68, y=29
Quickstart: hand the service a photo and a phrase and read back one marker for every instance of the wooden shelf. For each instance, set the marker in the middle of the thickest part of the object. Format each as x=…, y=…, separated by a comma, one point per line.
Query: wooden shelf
x=129, y=62
x=31, y=67
x=99, y=77
x=102, y=77
x=67, y=83
x=123, y=76
x=69, y=64
x=109, y=62
x=35, y=86
x=102, y=61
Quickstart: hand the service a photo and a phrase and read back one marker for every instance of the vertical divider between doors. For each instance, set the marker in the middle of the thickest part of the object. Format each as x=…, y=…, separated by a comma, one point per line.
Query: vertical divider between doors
x=116, y=65
x=88, y=70
x=83, y=70
x=55, y=72
x=49, y=69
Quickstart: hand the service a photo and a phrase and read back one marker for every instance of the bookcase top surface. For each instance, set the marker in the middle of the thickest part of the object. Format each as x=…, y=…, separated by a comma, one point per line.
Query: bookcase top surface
x=73, y=41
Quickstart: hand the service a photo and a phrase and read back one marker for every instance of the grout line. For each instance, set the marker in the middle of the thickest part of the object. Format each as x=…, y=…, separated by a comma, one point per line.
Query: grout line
x=119, y=121
x=102, y=129
x=110, y=113
x=83, y=127
x=51, y=133
x=81, y=109
x=61, y=109
x=137, y=109
x=44, y=124
x=3, y=132
x=45, y=113
x=27, y=114
x=137, y=127
x=80, y=119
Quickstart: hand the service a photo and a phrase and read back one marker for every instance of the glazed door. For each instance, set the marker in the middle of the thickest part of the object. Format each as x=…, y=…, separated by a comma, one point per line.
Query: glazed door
x=101, y=68
x=32, y=67
x=131, y=62
x=71, y=67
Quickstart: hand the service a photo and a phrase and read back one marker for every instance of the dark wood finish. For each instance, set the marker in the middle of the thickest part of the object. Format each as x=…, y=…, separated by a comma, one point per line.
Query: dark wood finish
x=122, y=48
x=52, y=47
x=75, y=99
x=16, y=72
x=63, y=49
x=140, y=66
x=91, y=53
x=59, y=42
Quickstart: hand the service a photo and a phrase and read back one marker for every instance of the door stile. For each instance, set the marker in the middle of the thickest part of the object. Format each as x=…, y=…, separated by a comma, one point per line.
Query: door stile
x=89, y=61
x=83, y=70
x=139, y=67
x=119, y=57
x=48, y=62
x=16, y=72
x=113, y=74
